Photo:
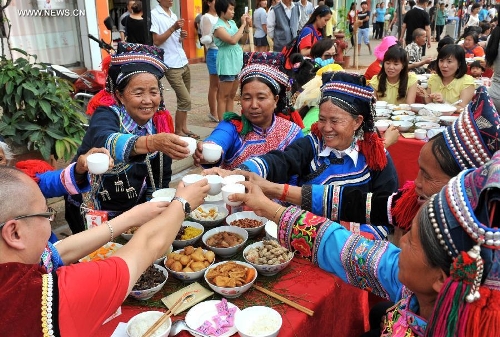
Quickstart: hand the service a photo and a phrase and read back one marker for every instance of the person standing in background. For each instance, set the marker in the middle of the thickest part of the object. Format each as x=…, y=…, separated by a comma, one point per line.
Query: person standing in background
x=168, y=34
x=135, y=25
x=260, y=27
x=379, y=21
x=283, y=23
x=364, y=28
x=207, y=23
x=432, y=16
x=306, y=8
x=351, y=17
x=330, y=25
x=122, y=28
x=440, y=21
x=415, y=18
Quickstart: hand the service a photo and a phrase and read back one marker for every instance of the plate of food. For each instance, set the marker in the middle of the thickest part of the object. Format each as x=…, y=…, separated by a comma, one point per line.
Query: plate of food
x=207, y=314
x=213, y=198
x=444, y=109
x=102, y=253
x=209, y=215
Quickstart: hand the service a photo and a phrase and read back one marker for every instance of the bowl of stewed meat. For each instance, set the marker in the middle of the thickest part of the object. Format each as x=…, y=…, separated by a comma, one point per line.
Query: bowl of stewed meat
x=225, y=241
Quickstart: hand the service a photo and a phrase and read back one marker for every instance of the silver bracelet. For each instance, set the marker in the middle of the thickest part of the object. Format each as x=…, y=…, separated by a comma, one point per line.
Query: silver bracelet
x=110, y=230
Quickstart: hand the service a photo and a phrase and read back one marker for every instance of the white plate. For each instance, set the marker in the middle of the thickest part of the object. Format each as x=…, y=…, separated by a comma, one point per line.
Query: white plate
x=204, y=311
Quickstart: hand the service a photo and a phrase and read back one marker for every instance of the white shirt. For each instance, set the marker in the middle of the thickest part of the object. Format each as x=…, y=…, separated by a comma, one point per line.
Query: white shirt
x=174, y=56
x=271, y=17
x=207, y=22
x=351, y=152
x=493, y=13
x=305, y=12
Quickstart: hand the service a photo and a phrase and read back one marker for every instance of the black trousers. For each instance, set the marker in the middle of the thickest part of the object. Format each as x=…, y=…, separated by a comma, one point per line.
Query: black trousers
x=439, y=31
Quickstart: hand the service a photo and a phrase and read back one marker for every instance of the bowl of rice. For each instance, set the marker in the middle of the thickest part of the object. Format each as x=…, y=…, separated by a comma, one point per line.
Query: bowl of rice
x=258, y=321
x=189, y=233
x=140, y=323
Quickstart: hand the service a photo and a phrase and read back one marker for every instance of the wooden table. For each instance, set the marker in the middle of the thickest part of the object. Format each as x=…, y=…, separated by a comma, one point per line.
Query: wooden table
x=339, y=309
x=405, y=154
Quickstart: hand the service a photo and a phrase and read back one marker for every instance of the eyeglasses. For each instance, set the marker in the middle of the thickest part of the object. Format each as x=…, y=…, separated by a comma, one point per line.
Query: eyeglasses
x=50, y=214
x=328, y=56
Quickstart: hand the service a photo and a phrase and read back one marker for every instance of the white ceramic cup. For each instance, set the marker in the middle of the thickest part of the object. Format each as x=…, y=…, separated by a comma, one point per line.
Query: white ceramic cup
x=191, y=144
x=97, y=163
x=232, y=189
x=233, y=179
x=160, y=199
x=423, y=85
x=215, y=183
x=420, y=134
x=211, y=152
x=191, y=179
x=164, y=192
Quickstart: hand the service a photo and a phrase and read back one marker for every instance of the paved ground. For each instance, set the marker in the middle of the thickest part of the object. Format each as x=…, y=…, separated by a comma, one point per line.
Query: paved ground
x=198, y=121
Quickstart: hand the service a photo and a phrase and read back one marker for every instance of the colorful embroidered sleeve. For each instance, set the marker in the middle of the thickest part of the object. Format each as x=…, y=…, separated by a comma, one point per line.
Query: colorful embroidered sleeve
x=104, y=131
x=280, y=166
x=227, y=137
x=366, y=264
x=61, y=182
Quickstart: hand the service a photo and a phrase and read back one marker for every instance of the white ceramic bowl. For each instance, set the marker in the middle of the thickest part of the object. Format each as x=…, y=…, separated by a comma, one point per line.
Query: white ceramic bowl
x=382, y=117
x=381, y=126
x=404, y=107
x=126, y=236
x=231, y=292
x=161, y=258
x=164, y=192
x=416, y=106
x=380, y=104
x=258, y=321
x=98, y=163
x=222, y=213
x=248, y=215
x=215, y=183
x=443, y=109
x=381, y=111
x=263, y=269
x=140, y=323
x=447, y=120
x=403, y=113
x=271, y=229
x=403, y=126
x=226, y=252
x=402, y=118
x=426, y=125
x=432, y=119
x=189, y=242
x=391, y=106
x=420, y=134
x=146, y=294
x=187, y=276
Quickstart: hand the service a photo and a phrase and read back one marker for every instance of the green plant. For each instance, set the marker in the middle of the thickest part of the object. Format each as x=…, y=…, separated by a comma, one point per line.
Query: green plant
x=342, y=24
x=38, y=110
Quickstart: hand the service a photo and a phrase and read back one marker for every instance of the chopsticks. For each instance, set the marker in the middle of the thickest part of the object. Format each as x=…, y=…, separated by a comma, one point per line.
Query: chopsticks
x=285, y=300
x=166, y=315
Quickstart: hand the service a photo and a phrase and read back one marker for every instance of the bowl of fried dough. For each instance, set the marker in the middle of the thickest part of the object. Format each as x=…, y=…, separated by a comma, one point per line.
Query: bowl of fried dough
x=231, y=278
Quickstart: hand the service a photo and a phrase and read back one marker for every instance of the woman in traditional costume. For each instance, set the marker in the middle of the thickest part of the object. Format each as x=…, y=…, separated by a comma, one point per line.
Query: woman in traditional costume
x=265, y=123
x=130, y=122
x=444, y=279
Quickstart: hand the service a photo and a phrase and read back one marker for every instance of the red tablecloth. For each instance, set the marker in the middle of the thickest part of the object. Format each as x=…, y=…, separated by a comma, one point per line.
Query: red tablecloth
x=405, y=157
x=339, y=309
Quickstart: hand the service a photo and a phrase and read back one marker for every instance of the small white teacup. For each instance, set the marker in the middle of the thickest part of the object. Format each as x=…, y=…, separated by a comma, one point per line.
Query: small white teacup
x=215, y=183
x=420, y=134
x=191, y=144
x=191, y=179
x=233, y=179
x=232, y=189
x=211, y=152
x=97, y=163
x=160, y=199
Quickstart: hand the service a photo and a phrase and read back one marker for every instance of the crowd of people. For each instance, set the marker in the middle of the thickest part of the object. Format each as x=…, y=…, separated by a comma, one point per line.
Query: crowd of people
x=306, y=141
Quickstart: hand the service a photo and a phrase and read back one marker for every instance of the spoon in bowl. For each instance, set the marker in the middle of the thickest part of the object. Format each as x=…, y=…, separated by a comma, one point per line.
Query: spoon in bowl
x=181, y=325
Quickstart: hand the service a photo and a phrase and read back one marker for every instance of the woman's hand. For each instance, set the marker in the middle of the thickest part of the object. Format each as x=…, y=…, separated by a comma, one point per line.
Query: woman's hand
x=256, y=200
x=170, y=144
x=421, y=92
x=142, y=213
x=391, y=136
x=244, y=19
x=198, y=154
x=218, y=171
x=194, y=194
x=437, y=97
x=81, y=163
x=265, y=185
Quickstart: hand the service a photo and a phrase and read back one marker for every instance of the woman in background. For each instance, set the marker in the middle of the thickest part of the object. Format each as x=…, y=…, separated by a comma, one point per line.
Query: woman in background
x=313, y=30
x=260, y=27
x=493, y=61
x=136, y=26
x=207, y=23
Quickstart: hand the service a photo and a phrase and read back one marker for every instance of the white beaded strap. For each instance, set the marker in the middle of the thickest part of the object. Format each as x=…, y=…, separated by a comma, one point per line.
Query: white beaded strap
x=110, y=230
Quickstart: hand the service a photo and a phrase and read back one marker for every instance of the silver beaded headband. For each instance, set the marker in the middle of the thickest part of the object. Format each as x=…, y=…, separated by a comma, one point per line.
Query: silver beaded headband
x=364, y=93
x=137, y=58
x=269, y=73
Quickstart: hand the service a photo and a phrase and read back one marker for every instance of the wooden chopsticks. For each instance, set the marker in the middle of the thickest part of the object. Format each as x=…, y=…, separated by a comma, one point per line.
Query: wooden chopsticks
x=166, y=315
x=285, y=300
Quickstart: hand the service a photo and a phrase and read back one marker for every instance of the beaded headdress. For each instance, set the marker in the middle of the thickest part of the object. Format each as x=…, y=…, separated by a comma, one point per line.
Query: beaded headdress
x=474, y=136
x=349, y=92
x=272, y=75
x=464, y=217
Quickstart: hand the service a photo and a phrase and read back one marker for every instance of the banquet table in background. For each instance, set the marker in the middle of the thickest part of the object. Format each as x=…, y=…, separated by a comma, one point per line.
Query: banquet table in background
x=340, y=310
x=405, y=154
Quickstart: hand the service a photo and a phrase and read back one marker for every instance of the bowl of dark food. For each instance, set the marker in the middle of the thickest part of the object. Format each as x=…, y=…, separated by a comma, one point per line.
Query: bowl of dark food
x=189, y=264
x=225, y=241
x=140, y=323
x=268, y=257
x=150, y=282
x=188, y=234
x=247, y=220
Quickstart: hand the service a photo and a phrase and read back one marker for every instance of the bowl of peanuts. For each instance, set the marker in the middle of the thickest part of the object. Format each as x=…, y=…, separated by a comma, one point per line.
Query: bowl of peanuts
x=268, y=257
x=247, y=220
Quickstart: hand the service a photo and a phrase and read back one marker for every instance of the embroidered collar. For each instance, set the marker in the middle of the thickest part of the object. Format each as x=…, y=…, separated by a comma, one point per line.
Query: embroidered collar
x=131, y=126
x=352, y=152
x=263, y=132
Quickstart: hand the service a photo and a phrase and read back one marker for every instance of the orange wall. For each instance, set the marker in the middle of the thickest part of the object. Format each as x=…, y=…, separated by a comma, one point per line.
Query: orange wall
x=102, y=13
